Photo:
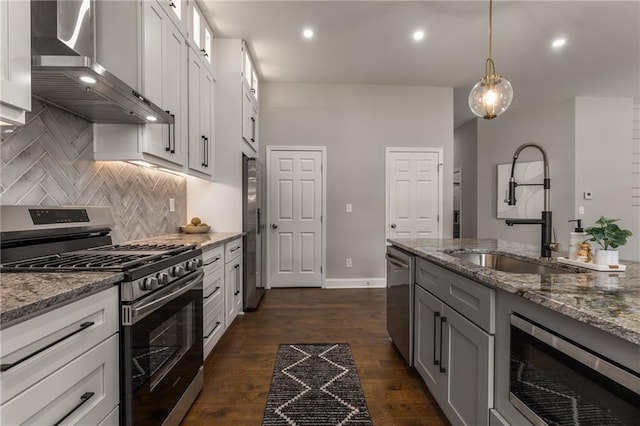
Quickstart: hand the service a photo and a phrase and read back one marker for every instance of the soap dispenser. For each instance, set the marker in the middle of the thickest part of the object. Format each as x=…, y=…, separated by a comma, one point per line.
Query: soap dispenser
x=575, y=239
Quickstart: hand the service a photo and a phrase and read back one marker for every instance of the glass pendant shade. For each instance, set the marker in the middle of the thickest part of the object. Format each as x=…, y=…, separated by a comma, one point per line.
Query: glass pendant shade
x=491, y=96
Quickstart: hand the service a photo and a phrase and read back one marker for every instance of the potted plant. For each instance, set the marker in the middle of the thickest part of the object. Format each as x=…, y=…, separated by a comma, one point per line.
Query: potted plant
x=609, y=236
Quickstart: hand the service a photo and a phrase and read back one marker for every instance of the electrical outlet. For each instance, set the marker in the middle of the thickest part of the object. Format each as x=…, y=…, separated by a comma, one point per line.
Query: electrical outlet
x=580, y=209
x=172, y=205
x=349, y=263
x=349, y=207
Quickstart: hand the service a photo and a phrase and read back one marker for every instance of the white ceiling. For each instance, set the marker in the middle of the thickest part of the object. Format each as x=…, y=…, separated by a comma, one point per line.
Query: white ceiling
x=370, y=42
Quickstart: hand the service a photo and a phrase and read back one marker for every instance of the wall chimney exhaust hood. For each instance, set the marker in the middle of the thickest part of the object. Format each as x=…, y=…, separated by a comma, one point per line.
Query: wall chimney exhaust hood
x=64, y=72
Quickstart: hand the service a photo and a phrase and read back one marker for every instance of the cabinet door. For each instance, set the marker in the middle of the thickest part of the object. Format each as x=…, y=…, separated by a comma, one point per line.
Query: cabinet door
x=200, y=115
x=428, y=339
x=249, y=118
x=232, y=284
x=15, y=60
x=468, y=360
x=164, y=82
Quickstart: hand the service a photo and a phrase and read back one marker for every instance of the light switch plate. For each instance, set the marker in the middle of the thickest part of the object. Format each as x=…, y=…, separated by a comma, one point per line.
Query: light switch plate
x=349, y=207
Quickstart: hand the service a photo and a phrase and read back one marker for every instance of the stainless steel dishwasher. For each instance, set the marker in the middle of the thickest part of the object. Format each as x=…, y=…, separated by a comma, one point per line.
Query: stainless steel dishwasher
x=399, y=301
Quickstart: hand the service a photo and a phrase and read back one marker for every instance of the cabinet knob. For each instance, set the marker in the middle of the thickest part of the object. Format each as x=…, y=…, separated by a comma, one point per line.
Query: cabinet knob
x=393, y=226
x=274, y=226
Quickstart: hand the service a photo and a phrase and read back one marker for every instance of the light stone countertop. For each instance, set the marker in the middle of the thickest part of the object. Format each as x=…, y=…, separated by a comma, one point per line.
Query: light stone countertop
x=606, y=300
x=205, y=241
x=27, y=294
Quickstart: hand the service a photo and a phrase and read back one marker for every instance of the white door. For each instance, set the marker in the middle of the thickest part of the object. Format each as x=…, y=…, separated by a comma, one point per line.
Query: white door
x=414, y=193
x=295, y=218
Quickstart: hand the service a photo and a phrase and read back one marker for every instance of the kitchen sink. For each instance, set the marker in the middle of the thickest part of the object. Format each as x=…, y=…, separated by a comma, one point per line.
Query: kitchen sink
x=509, y=264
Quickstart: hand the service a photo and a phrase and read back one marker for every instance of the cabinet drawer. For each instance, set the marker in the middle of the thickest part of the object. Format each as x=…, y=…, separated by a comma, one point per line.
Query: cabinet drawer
x=213, y=259
x=214, y=327
x=112, y=419
x=430, y=277
x=84, y=391
x=79, y=326
x=213, y=291
x=232, y=250
x=471, y=299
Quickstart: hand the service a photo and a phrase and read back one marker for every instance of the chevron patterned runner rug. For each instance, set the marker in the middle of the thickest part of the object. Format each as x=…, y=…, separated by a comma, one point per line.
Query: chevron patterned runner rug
x=315, y=385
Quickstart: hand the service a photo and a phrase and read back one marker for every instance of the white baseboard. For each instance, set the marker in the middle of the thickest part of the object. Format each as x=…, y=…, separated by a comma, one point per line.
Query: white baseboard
x=355, y=283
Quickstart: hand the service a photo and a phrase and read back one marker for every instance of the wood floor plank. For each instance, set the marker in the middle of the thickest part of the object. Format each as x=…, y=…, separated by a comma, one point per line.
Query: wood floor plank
x=238, y=371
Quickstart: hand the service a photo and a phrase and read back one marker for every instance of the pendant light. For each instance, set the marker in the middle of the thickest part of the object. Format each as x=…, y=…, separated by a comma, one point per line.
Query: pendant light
x=493, y=94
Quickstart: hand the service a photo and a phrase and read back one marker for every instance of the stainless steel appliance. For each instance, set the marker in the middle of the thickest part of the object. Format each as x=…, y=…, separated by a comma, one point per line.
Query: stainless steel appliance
x=253, y=240
x=161, y=300
x=65, y=73
x=556, y=381
x=400, y=270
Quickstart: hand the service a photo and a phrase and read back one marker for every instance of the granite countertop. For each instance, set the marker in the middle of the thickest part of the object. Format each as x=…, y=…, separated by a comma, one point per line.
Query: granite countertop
x=606, y=300
x=205, y=241
x=26, y=294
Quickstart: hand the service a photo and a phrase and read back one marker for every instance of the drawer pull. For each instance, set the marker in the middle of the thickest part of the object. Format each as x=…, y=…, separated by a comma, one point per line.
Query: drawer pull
x=435, y=322
x=84, y=398
x=212, y=293
x=234, y=249
x=84, y=325
x=214, y=329
x=442, y=368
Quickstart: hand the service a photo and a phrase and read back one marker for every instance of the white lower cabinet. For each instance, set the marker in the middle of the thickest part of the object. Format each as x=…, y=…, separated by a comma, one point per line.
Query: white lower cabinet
x=233, y=280
x=213, y=298
x=455, y=359
x=62, y=366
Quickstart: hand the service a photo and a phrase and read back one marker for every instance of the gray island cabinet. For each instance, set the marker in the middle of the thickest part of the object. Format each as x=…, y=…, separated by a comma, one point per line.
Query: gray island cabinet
x=454, y=355
x=463, y=322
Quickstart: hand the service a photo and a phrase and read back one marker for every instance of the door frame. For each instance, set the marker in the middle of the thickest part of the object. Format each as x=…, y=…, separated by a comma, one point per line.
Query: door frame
x=323, y=228
x=458, y=171
x=388, y=151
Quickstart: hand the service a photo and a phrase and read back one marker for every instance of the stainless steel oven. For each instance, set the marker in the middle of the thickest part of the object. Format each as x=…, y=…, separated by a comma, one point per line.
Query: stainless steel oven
x=160, y=300
x=162, y=353
x=558, y=382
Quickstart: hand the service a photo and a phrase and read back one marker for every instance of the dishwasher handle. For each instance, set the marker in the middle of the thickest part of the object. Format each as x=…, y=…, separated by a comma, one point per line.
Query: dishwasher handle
x=397, y=262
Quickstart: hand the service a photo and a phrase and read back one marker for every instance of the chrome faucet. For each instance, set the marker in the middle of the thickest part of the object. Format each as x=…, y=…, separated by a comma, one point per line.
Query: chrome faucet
x=547, y=244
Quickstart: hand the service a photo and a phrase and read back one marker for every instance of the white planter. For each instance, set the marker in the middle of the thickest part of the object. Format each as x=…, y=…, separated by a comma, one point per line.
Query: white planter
x=606, y=257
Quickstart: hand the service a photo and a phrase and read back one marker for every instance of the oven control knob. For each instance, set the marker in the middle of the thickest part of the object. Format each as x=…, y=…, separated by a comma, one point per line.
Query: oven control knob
x=199, y=262
x=191, y=265
x=149, y=283
x=163, y=278
x=177, y=271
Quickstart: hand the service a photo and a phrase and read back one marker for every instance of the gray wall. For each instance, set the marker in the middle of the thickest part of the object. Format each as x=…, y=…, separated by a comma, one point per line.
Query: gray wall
x=604, y=164
x=465, y=157
x=551, y=126
x=49, y=162
x=356, y=123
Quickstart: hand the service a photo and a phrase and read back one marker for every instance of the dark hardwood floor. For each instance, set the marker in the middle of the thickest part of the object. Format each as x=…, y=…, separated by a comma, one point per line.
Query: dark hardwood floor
x=237, y=374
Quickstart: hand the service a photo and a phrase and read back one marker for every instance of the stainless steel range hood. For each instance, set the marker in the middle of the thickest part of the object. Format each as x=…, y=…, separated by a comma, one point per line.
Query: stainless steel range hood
x=64, y=72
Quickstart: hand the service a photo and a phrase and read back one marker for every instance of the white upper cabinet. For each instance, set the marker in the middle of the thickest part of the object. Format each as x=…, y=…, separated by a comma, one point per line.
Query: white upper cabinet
x=200, y=35
x=15, y=61
x=249, y=117
x=165, y=83
x=176, y=11
x=249, y=72
x=149, y=52
x=201, y=115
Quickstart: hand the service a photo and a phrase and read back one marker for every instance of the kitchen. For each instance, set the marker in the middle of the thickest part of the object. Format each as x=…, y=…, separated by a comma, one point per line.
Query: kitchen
x=323, y=113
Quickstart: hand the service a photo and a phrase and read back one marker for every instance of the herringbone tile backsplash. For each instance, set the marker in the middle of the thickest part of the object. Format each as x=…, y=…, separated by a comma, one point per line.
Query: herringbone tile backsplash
x=49, y=162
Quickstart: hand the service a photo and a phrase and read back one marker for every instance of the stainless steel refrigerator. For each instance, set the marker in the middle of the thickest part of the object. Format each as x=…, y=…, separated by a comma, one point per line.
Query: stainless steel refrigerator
x=253, y=240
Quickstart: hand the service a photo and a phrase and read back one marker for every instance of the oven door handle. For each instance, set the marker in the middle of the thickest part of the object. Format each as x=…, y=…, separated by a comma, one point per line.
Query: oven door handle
x=139, y=312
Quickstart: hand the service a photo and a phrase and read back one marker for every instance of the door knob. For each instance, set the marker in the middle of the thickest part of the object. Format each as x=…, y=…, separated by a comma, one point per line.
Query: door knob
x=393, y=226
x=274, y=226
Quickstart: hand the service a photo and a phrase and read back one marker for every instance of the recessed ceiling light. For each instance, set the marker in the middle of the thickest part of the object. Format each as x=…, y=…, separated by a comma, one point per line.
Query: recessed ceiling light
x=307, y=33
x=418, y=35
x=559, y=42
x=87, y=79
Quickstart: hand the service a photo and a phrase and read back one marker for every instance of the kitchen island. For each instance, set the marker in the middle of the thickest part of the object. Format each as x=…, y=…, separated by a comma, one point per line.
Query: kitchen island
x=475, y=359
x=609, y=301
